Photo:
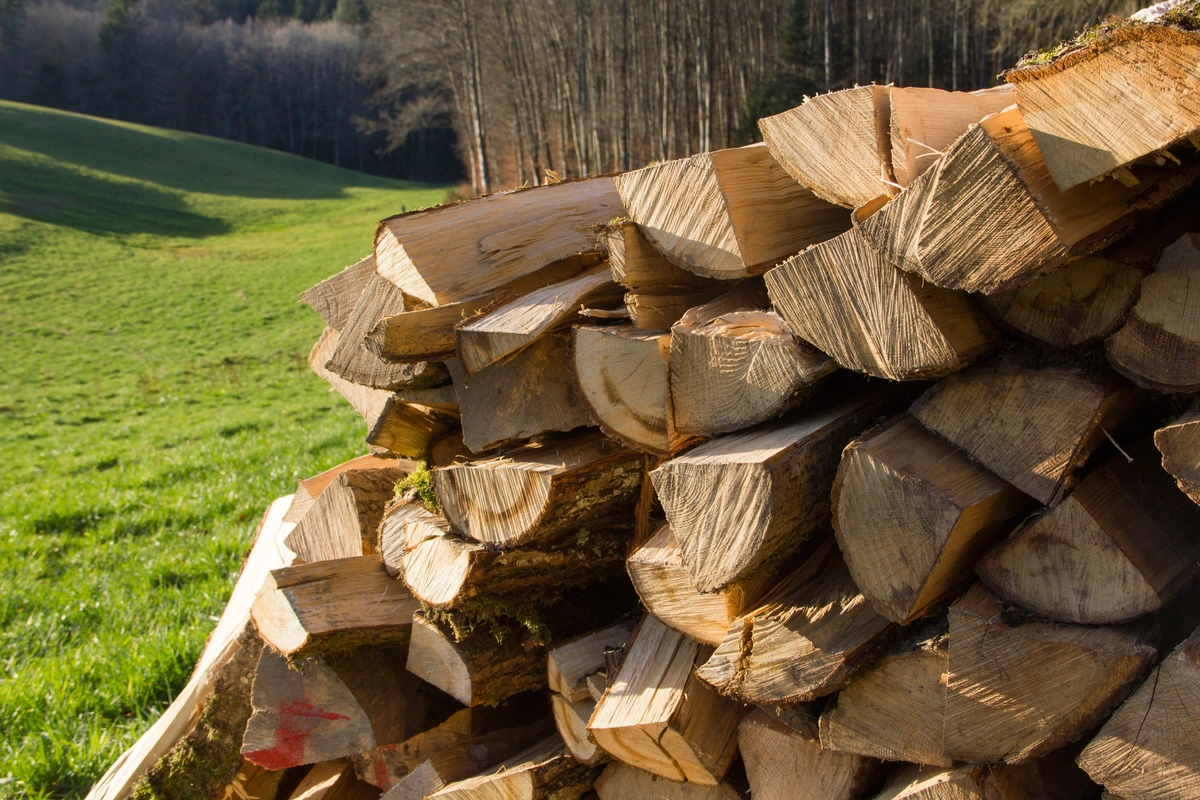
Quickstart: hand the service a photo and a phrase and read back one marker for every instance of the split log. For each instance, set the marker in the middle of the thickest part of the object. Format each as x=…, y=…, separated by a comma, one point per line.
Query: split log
x=623, y=375
x=1032, y=427
x=545, y=771
x=659, y=291
x=1159, y=346
x=540, y=492
x=988, y=217
x=659, y=310
x=913, y=513
x=1019, y=688
x=385, y=766
x=425, y=334
x=333, y=780
x=783, y=762
x=255, y=782
x=731, y=370
x=922, y=783
x=406, y=519
x=491, y=336
x=570, y=664
x=740, y=504
x=203, y=725
x=368, y=402
x=309, y=489
x=345, y=516
x=1081, y=303
x=458, y=252
x=318, y=708
x=1150, y=748
x=571, y=719
x=656, y=716
x=407, y=429
x=529, y=394
x=333, y=604
x=804, y=640
x=619, y=781
x=895, y=710
x=1122, y=545
x=1149, y=72
x=335, y=297
x=1052, y=778
x=727, y=214
x=467, y=759
x=925, y=121
x=836, y=144
x=666, y=590
x=1179, y=443
x=852, y=303
x=443, y=399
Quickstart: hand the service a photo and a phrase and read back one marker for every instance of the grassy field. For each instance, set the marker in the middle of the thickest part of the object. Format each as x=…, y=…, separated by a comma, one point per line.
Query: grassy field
x=154, y=397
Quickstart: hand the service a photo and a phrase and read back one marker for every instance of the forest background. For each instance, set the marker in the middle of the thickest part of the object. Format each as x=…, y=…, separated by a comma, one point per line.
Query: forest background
x=497, y=93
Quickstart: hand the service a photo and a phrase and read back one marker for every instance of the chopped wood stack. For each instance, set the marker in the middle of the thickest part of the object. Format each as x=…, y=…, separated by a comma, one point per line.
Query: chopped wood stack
x=853, y=465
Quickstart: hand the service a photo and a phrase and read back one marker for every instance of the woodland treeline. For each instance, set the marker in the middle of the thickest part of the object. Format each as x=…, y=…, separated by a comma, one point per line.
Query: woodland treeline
x=500, y=92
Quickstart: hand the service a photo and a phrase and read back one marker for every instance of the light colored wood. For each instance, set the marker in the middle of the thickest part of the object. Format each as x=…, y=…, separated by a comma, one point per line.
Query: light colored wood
x=803, y=641
x=254, y=782
x=1159, y=345
x=1032, y=427
x=924, y=122
x=309, y=607
x=335, y=297
x=443, y=399
x=368, y=402
x=545, y=771
x=222, y=646
x=1120, y=546
x=405, y=520
x=529, y=394
x=727, y=214
x=317, y=708
x=637, y=266
x=1019, y=688
x=784, y=763
x=540, y=492
x=739, y=504
x=425, y=334
x=385, y=766
x=1149, y=72
x=571, y=719
x=915, y=782
x=896, y=709
x=666, y=590
x=913, y=513
x=988, y=217
x=619, y=781
x=836, y=144
x=1047, y=779
x=1150, y=748
x=1080, y=303
x=656, y=716
x=407, y=429
x=345, y=516
x=1179, y=443
x=458, y=252
x=852, y=303
x=570, y=664
x=333, y=780
x=738, y=369
x=506, y=329
x=309, y=489
x=623, y=379
x=658, y=310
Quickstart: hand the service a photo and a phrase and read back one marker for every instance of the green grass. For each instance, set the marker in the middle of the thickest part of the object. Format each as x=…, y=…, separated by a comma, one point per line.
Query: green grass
x=154, y=397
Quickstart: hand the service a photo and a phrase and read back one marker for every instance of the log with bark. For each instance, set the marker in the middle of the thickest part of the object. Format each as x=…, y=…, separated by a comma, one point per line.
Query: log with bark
x=656, y=716
x=854, y=304
x=335, y=297
x=458, y=252
x=912, y=515
x=1120, y=546
x=578, y=675
x=1019, y=688
x=386, y=765
x=1179, y=443
x=740, y=504
x=1159, y=345
x=727, y=214
x=1032, y=427
x=309, y=489
x=545, y=771
x=344, y=518
x=804, y=640
x=1150, y=748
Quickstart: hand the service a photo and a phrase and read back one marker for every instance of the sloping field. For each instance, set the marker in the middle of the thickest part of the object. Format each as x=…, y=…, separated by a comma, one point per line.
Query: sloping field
x=153, y=391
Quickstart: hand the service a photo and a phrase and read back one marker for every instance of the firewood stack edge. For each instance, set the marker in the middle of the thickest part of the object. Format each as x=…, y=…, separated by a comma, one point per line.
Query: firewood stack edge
x=860, y=463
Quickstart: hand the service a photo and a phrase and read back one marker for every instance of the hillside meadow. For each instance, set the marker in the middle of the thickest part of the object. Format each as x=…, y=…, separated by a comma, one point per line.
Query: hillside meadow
x=154, y=397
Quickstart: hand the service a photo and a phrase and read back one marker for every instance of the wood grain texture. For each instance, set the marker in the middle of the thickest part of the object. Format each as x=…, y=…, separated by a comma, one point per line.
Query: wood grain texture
x=913, y=513
x=344, y=518
x=333, y=780
x=1032, y=427
x=803, y=641
x=852, y=303
x=335, y=297
x=425, y=334
x=783, y=763
x=309, y=489
x=1052, y=778
x=457, y=252
x=545, y=771
x=619, y=781
x=1179, y=443
x=386, y=765
x=571, y=663
x=368, y=402
x=1019, y=688
x=726, y=214
x=924, y=122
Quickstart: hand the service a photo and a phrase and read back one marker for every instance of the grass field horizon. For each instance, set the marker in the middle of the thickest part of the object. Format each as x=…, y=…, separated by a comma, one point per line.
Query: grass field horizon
x=155, y=398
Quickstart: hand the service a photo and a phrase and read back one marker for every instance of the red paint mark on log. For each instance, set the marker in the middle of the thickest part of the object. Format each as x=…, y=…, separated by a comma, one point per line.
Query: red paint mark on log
x=296, y=721
x=383, y=777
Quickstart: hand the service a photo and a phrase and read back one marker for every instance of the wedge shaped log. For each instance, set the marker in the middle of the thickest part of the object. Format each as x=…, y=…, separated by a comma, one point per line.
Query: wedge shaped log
x=1179, y=443
x=343, y=520
x=783, y=762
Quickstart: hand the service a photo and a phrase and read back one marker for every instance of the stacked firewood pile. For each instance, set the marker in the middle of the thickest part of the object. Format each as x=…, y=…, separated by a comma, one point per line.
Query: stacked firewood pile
x=856, y=464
